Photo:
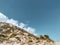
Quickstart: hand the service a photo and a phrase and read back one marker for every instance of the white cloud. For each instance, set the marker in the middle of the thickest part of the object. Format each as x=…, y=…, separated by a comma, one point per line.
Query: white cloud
x=22, y=25
x=12, y=21
x=30, y=29
x=4, y=18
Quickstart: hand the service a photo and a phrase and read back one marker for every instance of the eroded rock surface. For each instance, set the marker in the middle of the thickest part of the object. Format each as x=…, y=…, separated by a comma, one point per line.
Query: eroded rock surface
x=13, y=35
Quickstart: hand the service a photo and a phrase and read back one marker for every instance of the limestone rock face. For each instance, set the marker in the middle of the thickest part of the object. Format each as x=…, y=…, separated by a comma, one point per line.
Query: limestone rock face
x=13, y=35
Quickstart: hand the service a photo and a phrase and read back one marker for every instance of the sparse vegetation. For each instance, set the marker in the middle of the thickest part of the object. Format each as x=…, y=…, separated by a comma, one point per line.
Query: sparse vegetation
x=46, y=37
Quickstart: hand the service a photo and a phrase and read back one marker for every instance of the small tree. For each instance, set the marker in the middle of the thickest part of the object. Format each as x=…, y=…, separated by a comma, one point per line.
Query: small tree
x=41, y=37
x=46, y=36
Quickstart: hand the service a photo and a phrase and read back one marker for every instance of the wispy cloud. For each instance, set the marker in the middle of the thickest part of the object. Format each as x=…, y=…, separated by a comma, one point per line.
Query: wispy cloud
x=4, y=18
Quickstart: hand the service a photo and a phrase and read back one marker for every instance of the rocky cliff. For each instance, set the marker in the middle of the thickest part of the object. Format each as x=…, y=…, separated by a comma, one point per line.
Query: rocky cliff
x=13, y=35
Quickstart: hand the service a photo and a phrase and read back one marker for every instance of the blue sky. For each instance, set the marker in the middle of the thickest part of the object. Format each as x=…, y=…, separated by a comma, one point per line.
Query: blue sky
x=43, y=15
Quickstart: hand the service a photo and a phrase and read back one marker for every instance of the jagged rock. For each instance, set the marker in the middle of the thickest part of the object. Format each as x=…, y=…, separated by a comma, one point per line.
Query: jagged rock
x=13, y=35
